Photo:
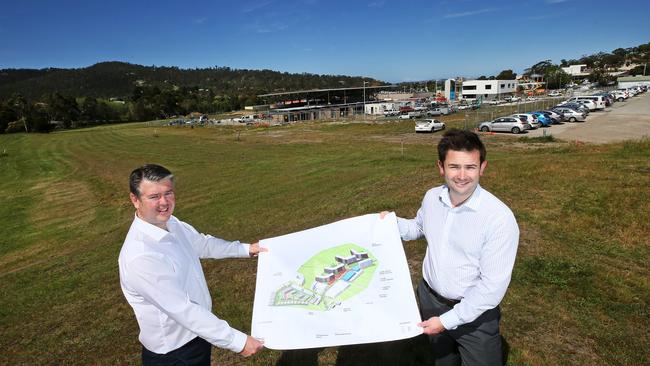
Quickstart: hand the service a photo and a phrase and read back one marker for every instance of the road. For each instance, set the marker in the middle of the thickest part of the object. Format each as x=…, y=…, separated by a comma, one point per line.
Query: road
x=626, y=120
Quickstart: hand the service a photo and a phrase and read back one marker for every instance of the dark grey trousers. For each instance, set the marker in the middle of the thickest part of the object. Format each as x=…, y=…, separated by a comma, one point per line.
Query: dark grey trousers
x=475, y=343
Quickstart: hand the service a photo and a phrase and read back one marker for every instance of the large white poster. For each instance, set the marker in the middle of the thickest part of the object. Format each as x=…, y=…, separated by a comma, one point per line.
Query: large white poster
x=342, y=283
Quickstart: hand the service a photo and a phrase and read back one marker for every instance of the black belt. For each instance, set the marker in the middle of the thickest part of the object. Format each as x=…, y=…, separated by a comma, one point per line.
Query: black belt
x=439, y=297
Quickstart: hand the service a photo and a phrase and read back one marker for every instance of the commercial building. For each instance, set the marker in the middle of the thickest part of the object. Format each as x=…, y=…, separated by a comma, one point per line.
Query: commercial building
x=488, y=89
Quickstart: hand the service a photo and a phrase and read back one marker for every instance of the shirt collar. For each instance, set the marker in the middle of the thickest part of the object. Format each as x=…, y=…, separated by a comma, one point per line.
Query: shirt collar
x=150, y=230
x=472, y=203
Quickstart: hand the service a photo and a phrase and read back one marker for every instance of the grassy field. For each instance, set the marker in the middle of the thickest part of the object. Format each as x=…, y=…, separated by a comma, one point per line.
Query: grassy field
x=580, y=289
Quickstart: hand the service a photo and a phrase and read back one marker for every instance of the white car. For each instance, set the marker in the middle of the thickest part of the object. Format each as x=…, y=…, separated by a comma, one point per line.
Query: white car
x=555, y=94
x=530, y=118
x=429, y=125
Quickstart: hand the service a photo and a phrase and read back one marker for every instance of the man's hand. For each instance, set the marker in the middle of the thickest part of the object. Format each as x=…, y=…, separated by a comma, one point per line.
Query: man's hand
x=432, y=326
x=383, y=214
x=251, y=347
x=255, y=249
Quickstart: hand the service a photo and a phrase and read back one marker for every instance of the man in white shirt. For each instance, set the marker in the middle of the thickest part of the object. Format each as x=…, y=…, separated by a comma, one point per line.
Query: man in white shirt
x=472, y=240
x=162, y=279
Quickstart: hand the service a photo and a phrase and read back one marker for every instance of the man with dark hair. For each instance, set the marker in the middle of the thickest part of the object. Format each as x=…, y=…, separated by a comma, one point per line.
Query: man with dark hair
x=472, y=240
x=162, y=279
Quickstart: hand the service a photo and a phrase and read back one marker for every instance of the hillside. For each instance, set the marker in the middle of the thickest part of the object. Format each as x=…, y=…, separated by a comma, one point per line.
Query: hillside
x=118, y=79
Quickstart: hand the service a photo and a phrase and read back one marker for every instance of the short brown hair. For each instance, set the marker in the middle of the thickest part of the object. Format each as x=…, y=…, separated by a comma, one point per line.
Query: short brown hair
x=460, y=140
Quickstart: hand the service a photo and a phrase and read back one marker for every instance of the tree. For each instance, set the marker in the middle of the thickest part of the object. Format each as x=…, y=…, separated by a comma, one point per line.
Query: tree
x=538, y=68
x=507, y=75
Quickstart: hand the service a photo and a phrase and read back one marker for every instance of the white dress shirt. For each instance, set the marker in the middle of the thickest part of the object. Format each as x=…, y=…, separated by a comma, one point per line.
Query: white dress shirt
x=162, y=279
x=471, y=250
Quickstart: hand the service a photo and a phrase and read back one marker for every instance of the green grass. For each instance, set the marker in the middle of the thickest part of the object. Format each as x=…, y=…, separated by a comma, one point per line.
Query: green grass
x=580, y=288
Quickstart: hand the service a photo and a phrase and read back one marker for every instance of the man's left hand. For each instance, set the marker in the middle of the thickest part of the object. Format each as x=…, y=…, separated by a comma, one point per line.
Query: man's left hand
x=255, y=249
x=432, y=326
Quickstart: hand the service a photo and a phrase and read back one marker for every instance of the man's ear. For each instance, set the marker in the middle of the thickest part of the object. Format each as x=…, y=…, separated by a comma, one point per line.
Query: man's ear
x=135, y=200
x=483, y=166
x=441, y=168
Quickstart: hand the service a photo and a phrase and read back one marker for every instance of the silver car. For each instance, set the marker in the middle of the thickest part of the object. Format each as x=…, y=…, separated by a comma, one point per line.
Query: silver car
x=504, y=124
x=571, y=115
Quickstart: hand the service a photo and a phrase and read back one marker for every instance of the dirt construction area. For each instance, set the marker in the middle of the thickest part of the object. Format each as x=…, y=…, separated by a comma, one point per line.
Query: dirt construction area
x=628, y=120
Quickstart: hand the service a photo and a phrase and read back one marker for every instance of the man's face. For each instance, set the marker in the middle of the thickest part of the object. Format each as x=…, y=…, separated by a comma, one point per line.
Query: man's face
x=156, y=202
x=461, y=171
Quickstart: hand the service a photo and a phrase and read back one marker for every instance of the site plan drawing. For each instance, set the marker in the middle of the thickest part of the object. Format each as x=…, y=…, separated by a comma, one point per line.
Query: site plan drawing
x=342, y=283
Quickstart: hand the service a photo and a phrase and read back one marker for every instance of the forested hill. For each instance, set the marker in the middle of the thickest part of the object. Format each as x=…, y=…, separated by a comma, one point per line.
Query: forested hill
x=118, y=79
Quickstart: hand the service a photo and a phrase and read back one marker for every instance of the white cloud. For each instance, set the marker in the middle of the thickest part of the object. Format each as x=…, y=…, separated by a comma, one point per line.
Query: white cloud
x=469, y=13
x=377, y=4
x=256, y=5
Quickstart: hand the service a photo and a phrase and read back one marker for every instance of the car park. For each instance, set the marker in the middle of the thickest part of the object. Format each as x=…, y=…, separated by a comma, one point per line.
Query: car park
x=429, y=125
x=504, y=124
x=570, y=114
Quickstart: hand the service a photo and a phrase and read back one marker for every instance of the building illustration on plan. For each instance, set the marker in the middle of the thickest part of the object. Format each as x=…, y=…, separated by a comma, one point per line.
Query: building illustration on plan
x=328, y=278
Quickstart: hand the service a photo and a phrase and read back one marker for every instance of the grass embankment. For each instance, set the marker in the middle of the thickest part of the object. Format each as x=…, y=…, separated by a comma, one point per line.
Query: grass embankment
x=580, y=289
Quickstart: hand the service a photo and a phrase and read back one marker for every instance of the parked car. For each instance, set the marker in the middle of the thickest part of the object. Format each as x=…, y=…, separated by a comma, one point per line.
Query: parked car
x=528, y=118
x=555, y=94
x=439, y=110
x=558, y=116
x=429, y=125
x=598, y=101
x=543, y=120
x=504, y=124
x=391, y=112
x=576, y=106
x=619, y=95
x=570, y=114
x=554, y=119
x=404, y=116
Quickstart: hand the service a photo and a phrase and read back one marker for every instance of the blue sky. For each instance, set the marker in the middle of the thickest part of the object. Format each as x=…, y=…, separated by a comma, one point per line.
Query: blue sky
x=389, y=40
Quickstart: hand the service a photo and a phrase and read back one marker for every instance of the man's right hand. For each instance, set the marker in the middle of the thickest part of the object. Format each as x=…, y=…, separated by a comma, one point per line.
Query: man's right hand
x=383, y=214
x=251, y=347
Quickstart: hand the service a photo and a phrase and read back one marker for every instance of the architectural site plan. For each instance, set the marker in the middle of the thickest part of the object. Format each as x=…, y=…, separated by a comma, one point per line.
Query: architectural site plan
x=336, y=284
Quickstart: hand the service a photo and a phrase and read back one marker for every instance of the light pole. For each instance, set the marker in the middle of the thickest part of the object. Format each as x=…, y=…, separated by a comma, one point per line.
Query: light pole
x=364, y=99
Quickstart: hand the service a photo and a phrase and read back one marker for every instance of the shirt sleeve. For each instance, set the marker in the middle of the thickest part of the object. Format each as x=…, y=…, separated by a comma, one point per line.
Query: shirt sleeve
x=208, y=246
x=154, y=278
x=411, y=229
x=496, y=263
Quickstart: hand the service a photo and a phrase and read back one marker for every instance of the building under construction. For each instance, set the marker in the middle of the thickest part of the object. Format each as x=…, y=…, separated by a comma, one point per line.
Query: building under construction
x=313, y=104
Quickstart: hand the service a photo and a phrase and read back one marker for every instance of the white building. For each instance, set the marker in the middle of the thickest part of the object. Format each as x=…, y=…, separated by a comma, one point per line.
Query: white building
x=576, y=70
x=488, y=89
x=379, y=108
x=630, y=81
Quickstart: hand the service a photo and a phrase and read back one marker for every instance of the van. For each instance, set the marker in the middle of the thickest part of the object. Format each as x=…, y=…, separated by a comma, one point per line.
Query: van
x=598, y=100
